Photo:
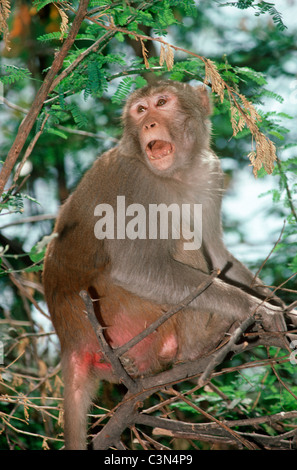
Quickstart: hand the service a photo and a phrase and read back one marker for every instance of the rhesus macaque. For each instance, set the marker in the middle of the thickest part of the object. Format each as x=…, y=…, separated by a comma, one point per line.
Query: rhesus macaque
x=134, y=272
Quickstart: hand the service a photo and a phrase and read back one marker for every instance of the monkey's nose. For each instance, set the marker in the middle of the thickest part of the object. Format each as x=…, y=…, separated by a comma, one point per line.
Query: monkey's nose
x=150, y=125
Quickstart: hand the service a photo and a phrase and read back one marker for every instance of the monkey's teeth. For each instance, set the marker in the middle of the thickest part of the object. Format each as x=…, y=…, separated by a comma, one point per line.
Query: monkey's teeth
x=161, y=156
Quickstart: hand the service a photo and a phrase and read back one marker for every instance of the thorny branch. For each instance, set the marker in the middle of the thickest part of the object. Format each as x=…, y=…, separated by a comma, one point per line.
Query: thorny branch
x=230, y=346
x=130, y=413
x=106, y=350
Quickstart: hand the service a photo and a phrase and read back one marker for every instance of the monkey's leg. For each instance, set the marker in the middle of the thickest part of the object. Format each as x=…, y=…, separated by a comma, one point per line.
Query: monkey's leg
x=80, y=384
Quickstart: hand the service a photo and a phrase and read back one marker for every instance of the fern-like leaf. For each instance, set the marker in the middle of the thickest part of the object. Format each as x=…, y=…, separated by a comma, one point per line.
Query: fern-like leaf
x=39, y=4
x=97, y=82
x=11, y=74
x=276, y=16
x=261, y=7
x=123, y=90
x=257, y=77
x=79, y=118
x=56, y=35
x=57, y=132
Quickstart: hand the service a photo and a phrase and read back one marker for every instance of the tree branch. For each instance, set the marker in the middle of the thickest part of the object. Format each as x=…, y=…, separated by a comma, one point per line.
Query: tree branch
x=107, y=351
x=214, y=432
x=222, y=353
x=45, y=89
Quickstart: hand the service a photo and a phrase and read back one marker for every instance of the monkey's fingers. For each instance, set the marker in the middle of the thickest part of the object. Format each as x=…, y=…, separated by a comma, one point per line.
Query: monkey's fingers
x=272, y=319
x=291, y=317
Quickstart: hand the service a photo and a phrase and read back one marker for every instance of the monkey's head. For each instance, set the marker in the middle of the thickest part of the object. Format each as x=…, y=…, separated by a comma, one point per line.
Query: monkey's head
x=166, y=125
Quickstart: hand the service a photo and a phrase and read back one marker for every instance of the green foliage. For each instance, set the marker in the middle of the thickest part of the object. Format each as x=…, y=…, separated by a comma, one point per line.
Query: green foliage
x=261, y=8
x=96, y=82
x=254, y=391
x=187, y=69
x=125, y=86
x=266, y=7
x=10, y=74
x=55, y=36
x=39, y=4
x=79, y=117
x=251, y=75
x=15, y=202
x=38, y=251
x=57, y=132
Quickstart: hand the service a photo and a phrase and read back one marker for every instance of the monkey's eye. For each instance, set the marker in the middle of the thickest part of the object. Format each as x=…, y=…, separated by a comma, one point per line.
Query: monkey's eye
x=161, y=102
x=140, y=109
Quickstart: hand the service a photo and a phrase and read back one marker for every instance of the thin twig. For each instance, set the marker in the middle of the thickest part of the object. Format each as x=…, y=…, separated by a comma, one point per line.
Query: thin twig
x=29, y=220
x=69, y=130
x=288, y=191
x=282, y=382
x=268, y=256
x=29, y=151
x=221, y=354
x=106, y=350
x=217, y=421
x=291, y=306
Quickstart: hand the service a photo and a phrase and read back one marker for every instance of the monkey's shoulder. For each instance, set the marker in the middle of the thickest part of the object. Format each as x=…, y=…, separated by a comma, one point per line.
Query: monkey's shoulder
x=102, y=165
x=95, y=187
x=108, y=171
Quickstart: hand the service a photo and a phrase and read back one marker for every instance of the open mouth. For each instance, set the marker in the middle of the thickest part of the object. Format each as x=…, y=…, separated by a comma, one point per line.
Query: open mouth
x=157, y=149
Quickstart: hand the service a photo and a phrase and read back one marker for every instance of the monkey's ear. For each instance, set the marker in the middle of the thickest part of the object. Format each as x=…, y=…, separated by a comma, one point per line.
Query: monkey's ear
x=204, y=99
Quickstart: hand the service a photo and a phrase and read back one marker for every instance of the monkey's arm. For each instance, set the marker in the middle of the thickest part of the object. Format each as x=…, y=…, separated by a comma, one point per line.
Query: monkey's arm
x=238, y=274
x=169, y=282
x=232, y=271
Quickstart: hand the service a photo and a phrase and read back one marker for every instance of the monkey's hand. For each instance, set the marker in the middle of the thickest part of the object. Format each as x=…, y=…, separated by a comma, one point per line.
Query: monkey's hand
x=271, y=318
x=291, y=317
x=273, y=322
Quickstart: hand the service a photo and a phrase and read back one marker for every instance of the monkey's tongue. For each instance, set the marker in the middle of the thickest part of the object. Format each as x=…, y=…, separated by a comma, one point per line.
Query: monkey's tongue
x=159, y=149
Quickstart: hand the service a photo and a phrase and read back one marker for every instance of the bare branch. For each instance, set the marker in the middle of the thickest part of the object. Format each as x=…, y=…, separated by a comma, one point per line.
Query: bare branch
x=104, y=346
x=220, y=356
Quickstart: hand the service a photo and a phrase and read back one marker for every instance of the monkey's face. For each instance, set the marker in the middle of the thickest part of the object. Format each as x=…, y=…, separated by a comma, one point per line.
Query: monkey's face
x=164, y=126
x=151, y=115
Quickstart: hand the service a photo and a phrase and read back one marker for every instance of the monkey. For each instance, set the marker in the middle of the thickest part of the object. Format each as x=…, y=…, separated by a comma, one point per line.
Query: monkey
x=141, y=231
